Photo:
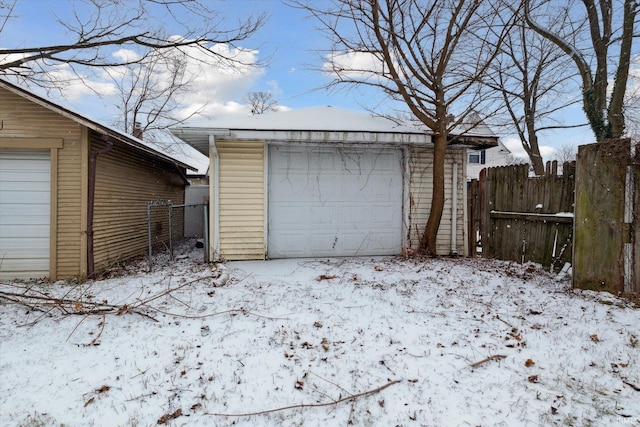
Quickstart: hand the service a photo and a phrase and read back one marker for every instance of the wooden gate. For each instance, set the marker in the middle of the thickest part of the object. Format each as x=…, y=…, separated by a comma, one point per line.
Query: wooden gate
x=523, y=218
x=607, y=240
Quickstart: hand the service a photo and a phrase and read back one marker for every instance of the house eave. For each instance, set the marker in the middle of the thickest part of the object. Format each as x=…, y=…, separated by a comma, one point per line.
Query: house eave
x=198, y=137
x=473, y=142
x=93, y=125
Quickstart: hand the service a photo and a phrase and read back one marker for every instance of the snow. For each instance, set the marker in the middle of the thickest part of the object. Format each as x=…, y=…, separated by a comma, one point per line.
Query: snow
x=319, y=118
x=470, y=342
x=164, y=141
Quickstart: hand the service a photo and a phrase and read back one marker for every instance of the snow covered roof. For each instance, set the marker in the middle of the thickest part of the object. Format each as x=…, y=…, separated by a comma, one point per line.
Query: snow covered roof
x=324, y=118
x=144, y=146
x=175, y=147
x=314, y=124
x=322, y=124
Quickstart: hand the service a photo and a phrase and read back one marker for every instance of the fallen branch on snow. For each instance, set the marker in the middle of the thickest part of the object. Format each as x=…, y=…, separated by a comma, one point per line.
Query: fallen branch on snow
x=68, y=306
x=488, y=359
x=310, y=405
x=633, y=386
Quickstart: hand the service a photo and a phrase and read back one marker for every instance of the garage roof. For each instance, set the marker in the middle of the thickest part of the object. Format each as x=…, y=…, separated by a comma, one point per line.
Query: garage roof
x=127, y=139
x=321, y=124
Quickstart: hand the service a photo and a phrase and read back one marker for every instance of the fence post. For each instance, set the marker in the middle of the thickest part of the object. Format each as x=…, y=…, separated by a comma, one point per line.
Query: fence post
x=600, y=234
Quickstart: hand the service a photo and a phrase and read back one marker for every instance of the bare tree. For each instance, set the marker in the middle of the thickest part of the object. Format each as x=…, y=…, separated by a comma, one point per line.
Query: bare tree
x=149, y=93
x=566, y=153
x=261, y=102
x=532, y=76
x=598, y=32
x=429, y=55
x=515, y=160
x=100, y=27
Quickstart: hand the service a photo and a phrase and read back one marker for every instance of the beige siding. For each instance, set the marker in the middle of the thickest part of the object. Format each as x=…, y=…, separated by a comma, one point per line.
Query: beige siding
x=22, y=118
x=125, y=182
x=242, y=199
x=420, y=190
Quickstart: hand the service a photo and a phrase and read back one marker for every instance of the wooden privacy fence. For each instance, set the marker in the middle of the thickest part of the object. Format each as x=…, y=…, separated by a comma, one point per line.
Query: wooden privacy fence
x=607, y=218
x=523, y=218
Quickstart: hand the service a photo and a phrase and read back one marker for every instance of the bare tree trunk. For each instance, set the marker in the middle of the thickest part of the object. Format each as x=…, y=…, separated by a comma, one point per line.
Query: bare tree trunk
x=428, y=241
x=533, y=149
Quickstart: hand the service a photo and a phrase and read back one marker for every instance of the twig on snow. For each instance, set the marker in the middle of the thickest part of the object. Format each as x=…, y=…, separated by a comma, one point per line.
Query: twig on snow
x=331, y=382
x=310, y=405
x=633, y=386
x=69, y=306
x=170, y=290
x=218, y=313
x=488, y=359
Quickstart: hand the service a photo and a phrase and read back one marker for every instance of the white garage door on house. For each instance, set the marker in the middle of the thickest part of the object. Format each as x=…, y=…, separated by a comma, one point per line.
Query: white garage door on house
x=25, y=194
x=334, y=201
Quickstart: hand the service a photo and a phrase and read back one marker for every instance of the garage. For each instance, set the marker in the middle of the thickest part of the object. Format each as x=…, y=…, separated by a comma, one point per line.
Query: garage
x=323, y=182
x=334, y=201
x=25, y=188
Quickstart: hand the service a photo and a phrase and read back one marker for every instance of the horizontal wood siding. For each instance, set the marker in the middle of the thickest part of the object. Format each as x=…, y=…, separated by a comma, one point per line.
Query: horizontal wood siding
x=22, y=118
x=242, y=199
x=420, y=193
x=125, y=182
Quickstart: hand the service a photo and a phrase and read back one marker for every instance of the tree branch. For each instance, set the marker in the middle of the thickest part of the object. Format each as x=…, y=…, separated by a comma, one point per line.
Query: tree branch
x=309, y=405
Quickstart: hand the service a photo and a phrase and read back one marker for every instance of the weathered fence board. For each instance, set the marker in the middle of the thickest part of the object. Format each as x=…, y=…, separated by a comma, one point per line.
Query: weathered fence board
x=635, y=285
x=526, y=218
x=604, y=218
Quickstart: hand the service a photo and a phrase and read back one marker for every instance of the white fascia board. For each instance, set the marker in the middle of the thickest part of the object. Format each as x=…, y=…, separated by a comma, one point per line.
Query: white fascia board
x=350, y=137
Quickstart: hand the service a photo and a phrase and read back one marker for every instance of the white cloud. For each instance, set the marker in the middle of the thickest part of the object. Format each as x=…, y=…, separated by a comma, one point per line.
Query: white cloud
x=74, y=87
x=126, y=55
x=275, y=87
x=515, y=146
x=356, y=65
x=215, y=83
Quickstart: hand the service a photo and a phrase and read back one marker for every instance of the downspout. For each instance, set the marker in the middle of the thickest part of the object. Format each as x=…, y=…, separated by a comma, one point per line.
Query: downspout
x=214, y=250
x=454, y=210
x=91, y=201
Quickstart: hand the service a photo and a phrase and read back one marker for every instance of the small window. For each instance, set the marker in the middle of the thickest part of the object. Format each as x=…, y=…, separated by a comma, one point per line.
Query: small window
x=477, y=157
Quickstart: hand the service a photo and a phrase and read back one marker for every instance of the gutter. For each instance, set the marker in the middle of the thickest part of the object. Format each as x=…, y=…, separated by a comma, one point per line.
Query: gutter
x=454, y=210
x=91, y=197
x=214, y=249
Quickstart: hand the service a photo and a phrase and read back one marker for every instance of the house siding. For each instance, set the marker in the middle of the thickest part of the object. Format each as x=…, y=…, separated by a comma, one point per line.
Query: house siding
x=420, y=194
x=22, y=118
x=495, y=156
x=125, y=183
x=242, y=199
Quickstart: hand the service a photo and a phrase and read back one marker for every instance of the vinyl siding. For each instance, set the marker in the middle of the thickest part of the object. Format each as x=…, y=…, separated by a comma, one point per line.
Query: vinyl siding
x=22, y=118
x=420, y=191
x=125, y=183
x=242, y=199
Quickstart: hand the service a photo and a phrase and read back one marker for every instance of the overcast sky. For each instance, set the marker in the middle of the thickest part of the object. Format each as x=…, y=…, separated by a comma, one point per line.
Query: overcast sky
x=289, y=46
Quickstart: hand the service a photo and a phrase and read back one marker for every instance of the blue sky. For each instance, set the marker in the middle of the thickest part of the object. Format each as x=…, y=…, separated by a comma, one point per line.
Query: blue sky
x=289, y=45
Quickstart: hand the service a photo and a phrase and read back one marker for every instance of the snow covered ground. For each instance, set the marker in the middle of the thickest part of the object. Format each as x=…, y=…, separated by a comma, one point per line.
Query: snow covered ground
x=364, y=342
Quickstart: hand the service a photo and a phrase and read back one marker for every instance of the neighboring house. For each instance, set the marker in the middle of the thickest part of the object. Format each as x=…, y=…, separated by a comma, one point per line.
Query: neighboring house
x=326, y=182
x=74, y=192
x=486, y=158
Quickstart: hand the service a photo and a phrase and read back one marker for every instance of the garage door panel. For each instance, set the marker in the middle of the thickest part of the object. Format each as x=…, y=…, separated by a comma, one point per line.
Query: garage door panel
x=18, y=197
x=29, y=248
x=24, y=214
x=22, y=268
x=330, y=201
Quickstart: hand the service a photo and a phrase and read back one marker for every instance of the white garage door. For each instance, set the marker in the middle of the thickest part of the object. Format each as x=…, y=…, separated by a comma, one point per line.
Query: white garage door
x=24, y=214
x=330, y=201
